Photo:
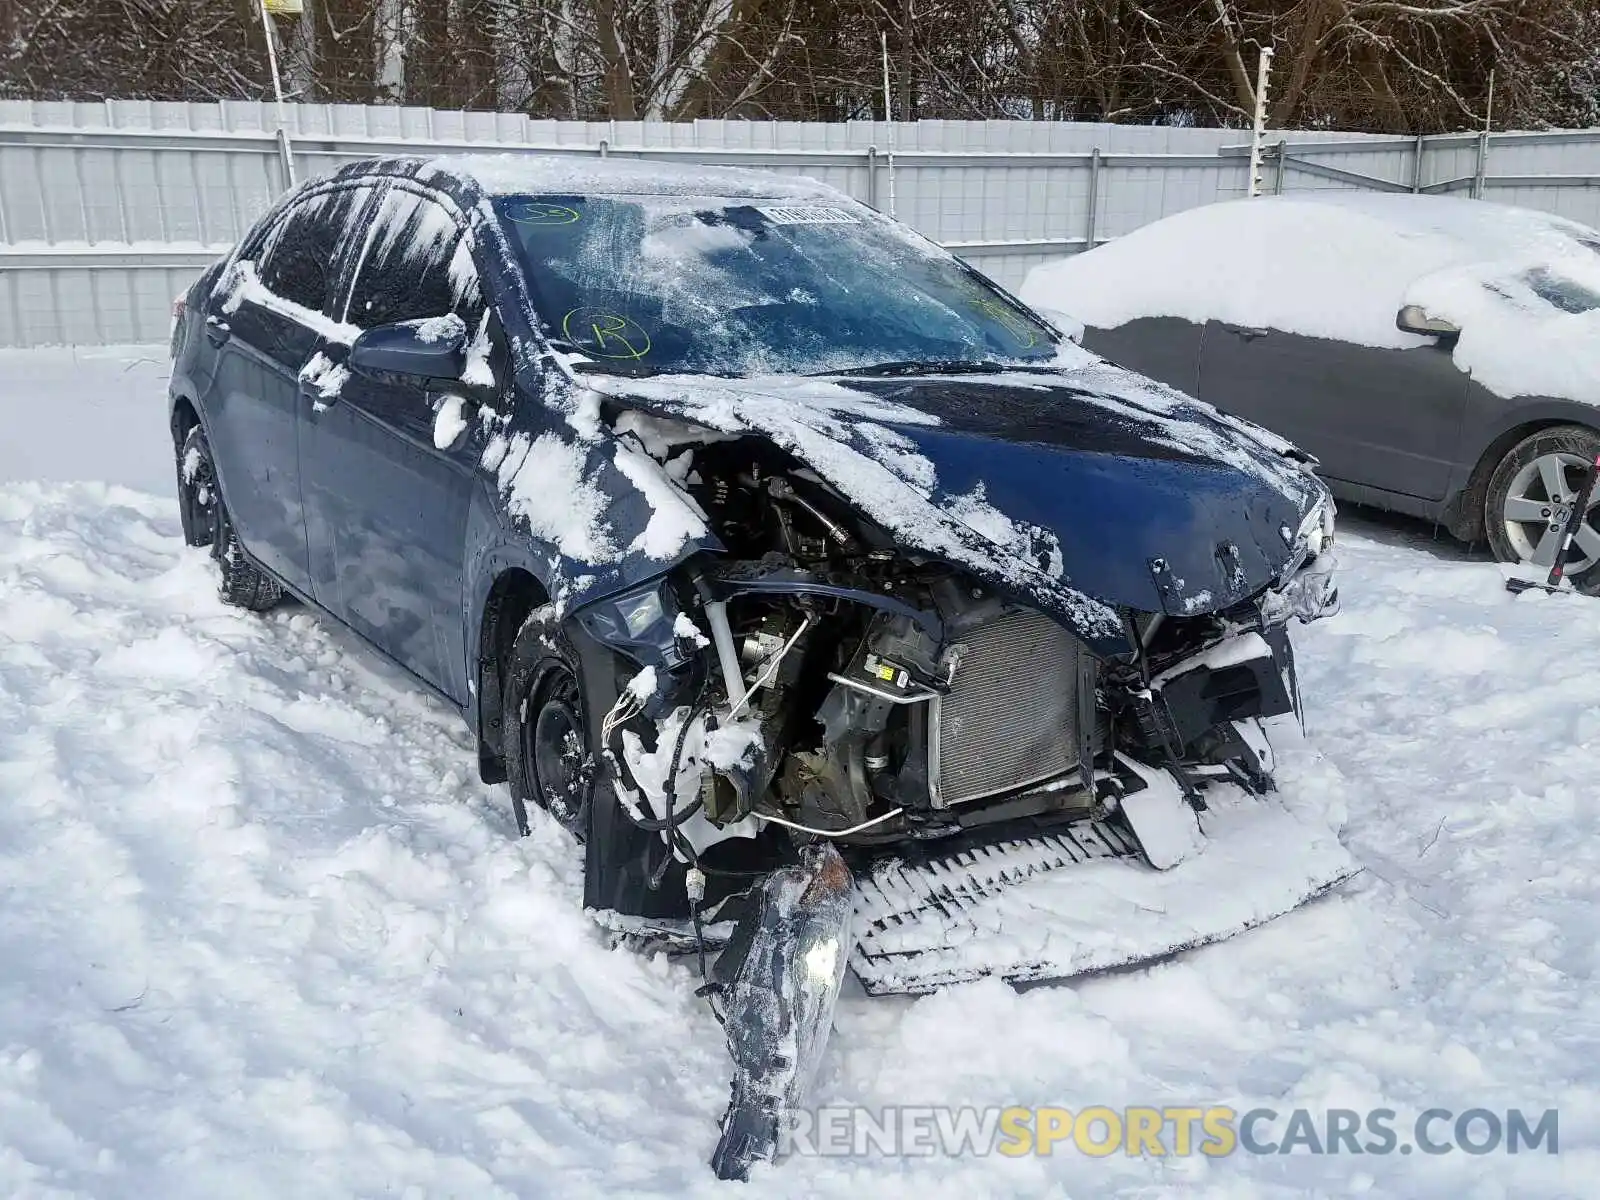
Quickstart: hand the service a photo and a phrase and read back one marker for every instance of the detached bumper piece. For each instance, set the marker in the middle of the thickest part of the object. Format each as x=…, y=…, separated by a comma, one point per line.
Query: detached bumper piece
x=1085, y=900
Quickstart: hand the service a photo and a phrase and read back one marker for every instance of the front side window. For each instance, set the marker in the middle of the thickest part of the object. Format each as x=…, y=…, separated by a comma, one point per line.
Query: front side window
x=649, y=284
x=414, y=263
x=295, y=262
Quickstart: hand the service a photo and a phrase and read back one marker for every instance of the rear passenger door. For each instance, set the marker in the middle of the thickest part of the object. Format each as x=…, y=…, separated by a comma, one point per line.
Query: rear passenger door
x=387, y=482
x=264, y=318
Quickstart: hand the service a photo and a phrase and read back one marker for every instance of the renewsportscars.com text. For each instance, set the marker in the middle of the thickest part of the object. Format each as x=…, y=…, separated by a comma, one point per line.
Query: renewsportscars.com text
x=1176, y=1130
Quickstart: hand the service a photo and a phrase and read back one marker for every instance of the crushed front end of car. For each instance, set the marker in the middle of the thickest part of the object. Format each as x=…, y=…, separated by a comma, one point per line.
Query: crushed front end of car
x=967, y=678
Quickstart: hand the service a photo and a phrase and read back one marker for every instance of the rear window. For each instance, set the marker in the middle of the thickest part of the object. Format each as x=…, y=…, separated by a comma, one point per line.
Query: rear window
x=415, y=264
x=296, y=261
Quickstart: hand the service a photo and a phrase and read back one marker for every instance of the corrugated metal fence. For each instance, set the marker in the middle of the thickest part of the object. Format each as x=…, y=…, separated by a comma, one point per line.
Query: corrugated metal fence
x=107, y=210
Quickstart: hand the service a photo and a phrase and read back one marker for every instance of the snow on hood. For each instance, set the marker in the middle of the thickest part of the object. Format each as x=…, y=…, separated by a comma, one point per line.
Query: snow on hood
x=1076, y=478
x=1341, y=266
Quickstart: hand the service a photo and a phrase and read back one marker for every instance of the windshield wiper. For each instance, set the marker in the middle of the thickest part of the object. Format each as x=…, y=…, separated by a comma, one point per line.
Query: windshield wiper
x=590, y=366
x=925, y=367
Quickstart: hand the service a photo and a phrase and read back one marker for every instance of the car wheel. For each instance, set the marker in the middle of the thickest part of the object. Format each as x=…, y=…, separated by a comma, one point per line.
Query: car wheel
x=545, y=730
x=1530, y=497
x=205, y=523
x=197, y=489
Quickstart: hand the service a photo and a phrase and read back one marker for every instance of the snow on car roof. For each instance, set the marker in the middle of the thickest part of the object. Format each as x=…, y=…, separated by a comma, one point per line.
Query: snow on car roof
x=513, y=174
x=1324, y=264
x=1478, y=228
x=1340, y=265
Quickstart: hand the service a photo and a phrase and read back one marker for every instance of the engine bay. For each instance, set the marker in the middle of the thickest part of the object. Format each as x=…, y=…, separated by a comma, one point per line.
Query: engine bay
x=819, y=681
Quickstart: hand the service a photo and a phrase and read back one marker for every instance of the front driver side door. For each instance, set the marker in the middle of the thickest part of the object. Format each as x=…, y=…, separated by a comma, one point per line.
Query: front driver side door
x=389, y=465
x=1381, y=418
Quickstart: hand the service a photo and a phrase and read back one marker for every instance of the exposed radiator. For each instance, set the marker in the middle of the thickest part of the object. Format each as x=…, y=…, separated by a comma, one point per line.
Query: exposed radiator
x=1010, y=718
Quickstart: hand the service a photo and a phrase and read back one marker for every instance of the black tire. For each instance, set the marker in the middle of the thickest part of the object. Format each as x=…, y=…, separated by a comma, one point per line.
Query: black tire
x=544, y=729
x=197, y=489
x=206, y=523
x=1577, y=446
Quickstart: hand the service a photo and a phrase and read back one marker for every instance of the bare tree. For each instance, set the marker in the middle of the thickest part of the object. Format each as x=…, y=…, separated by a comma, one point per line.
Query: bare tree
x=1397, y=65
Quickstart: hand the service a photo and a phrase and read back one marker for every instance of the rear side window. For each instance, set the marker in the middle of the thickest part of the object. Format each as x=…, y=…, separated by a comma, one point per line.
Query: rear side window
x=415, y=264
x=296, y=261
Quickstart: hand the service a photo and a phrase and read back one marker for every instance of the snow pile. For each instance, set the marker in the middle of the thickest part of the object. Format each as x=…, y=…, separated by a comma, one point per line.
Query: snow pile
x=1341, y=266
x=321, y=965
x=263, y=933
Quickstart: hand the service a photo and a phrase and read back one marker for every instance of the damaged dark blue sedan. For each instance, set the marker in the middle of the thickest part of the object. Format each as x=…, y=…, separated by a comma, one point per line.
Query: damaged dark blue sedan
x=849, y=617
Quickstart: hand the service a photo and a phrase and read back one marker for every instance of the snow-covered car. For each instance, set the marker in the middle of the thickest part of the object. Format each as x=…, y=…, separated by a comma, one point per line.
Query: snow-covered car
x=1439, y=356
x=825, y=593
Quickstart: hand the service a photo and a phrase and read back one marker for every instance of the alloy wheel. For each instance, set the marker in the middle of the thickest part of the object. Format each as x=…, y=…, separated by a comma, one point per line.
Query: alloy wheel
x=1538, y=506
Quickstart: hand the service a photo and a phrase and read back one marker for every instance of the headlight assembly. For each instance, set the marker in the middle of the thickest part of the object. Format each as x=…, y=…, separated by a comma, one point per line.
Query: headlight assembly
x=1316, y=530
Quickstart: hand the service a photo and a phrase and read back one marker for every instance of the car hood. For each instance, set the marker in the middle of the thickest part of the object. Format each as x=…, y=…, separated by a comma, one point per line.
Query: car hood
x=1083, y=490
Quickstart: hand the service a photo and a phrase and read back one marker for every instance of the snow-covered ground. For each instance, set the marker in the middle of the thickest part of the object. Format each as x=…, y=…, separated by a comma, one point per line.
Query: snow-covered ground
x=263, y=934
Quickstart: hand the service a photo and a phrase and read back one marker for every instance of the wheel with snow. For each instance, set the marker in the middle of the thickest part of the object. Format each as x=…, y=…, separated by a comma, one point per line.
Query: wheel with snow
x=545, y=730
x=197, y=489
x=1530, y=499
x=206, y=523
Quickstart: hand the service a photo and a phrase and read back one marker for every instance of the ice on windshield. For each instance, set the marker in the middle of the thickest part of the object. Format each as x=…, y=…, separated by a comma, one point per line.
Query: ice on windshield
x=643, y=285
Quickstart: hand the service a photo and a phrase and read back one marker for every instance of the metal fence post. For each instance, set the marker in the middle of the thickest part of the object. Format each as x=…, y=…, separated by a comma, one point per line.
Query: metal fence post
x=872, y=177
x=1417, y=163
x=286, y=157
x=1278, y=156
x=1483, y=165
x=1094, y=198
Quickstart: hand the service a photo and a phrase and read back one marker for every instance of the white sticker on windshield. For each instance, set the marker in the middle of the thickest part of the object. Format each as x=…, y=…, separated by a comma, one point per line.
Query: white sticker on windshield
x=808, y=215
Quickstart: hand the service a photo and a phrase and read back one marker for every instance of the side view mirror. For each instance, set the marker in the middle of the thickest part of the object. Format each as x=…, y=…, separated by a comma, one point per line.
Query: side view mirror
x=430, y=349
x=1413, y=318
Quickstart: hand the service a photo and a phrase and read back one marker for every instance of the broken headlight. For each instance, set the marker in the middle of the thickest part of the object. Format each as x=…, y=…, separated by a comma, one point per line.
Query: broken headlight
x=1316, y=531
x=639, y=624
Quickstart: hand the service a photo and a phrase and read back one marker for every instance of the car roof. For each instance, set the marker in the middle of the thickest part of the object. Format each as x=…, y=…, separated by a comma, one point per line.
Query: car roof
x=1477, y=229
x=580, y=174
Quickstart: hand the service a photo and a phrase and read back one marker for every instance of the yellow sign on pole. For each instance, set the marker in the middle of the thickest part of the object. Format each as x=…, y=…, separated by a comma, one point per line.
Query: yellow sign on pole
x=285, y=8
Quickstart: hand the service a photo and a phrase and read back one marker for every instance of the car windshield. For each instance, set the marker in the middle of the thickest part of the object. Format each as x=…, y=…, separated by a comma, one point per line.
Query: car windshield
x=652, y=284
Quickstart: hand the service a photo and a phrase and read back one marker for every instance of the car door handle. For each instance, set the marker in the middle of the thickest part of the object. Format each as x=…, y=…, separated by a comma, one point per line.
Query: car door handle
x=217, y=332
